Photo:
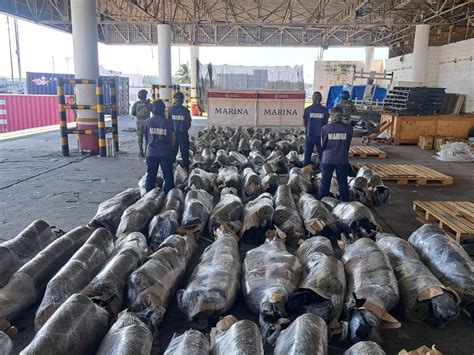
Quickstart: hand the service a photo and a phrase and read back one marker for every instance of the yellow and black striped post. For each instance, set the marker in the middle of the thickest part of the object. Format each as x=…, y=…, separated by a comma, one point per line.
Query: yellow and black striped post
x=187, y=97
x=62, y=117
x=101, y=118
x=113, y=101
x=153, y=93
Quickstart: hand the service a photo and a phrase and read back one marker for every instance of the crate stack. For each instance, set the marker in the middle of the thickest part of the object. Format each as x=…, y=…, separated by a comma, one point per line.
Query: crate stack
x=414, y=100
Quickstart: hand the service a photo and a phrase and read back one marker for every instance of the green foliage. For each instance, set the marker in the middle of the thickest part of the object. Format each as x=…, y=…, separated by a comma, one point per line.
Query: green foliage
x=183, y=75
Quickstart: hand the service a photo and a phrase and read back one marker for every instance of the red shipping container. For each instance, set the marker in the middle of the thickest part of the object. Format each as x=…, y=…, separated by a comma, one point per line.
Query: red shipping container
x=19, y=112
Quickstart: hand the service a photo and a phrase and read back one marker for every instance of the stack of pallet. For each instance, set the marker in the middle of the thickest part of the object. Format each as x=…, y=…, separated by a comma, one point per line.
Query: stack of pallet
x=414, y=100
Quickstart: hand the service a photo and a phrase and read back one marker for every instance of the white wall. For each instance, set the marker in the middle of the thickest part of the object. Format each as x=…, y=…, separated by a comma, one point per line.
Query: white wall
x=450, y=66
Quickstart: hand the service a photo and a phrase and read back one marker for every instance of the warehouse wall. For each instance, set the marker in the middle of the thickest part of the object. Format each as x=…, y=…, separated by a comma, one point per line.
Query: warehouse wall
x=450, y=66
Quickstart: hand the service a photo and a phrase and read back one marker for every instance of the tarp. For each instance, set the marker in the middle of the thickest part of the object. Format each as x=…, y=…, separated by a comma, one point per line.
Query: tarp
x=357, y=93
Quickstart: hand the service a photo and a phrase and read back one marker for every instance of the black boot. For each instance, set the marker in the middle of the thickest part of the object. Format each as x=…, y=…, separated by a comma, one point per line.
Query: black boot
x=140, y=154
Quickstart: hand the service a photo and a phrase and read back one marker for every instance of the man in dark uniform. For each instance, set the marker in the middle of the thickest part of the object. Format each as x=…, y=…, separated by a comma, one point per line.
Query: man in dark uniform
x=335, y=140
x=181, y=119
x=141, y=110
x=314, y=117
x=159, y=138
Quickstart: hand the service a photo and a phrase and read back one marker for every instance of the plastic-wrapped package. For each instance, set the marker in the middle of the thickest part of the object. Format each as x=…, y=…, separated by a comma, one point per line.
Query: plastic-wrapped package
x=372, y=289
x=197, y=207
x=18, y=251
x=307, y=334
x=236, y=337
x=299, y=181
x=152, y=285
x=190, y=342
x=423, y=296
x=365, y=348
x=257, y=218
x=355, y=219
x=216, y=144
x=229, y=177
x=256, y=158
x=201, y=179
x=244, y=146
x=358, y=190
x=447, y=260
x=322, y=288
x=251, y=185
x=238, y=160
x=76, y=274
x=293, y=159
x=270, y=180
x=207, y=157
x=180, y=177
x=269, y=145
x=286, y=216
x=128, y=335
x=168, y=220
x=185, y=245
x=270, y=275
x=77, y=327
x=107, y=288
x=378, y=194
x=229, y=211
x=6, y=344
x=109, y=212
x=229, y=191
x=214, y=283
x=255, y=144
x=27, y=284
x=284, y=146
x=221, y=158
x=316, y=217
x=137, y=217
x=142, y=183
x=330, y=202
x=278, y=161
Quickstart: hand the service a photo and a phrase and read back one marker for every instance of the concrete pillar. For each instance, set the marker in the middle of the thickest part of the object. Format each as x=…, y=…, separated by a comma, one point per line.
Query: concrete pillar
x=369, y=59
x=164, y=61
x=194, y=77
x=86, y=66
x=420, y=53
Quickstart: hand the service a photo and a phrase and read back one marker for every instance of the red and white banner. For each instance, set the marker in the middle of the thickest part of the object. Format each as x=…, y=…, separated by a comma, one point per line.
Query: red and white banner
x=255, y=108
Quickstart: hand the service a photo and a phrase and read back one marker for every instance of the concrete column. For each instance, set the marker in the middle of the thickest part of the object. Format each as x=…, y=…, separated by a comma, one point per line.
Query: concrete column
x=420, y=53
x=194, y=77
x=164, y=61
x=86, y=66
x=369, y=59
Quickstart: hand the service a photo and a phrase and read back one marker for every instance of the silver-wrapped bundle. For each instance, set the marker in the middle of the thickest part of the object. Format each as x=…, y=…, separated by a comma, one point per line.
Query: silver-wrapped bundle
x=6, y=344
x=355, y=219
x=307, y=334
x=190, y=342
x=229, y=211
x=330, y=202
x=197, y=207
x=293, y=159
x=180, y=177
x=27, y=284
x=137, y=217
x=201, y=179
x=316, y=217
x=244, y=146
x=229, y=177
x=18, y=251
x=142, y=183
x=238, y=160
x=257, y=218
x=251, y=185
x=256, y=158
x=286, y=216
x=299, y=181
x=365, y=348
x=214, y=283
x=76, y=274
x=221, y=158
x=278, y=161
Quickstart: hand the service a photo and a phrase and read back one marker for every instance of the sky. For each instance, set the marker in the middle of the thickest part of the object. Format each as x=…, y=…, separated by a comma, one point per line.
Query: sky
x=47, y=50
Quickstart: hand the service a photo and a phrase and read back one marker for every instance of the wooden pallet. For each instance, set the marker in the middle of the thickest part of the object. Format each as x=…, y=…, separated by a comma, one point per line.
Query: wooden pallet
x=456, y=218
x=405, y=174
x=362, y=151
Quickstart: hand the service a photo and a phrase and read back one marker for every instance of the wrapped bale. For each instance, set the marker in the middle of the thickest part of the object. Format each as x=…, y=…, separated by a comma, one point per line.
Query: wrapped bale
x=244, y=146
x=151, y=286
x=358, y=190
x=184, y=244
x=236, y=337
x=108, y=287
x=372, y=290
x=18, y=251
x=365, y=348
x=286, y=216
x=299, y=181
x=278, y=161
x=201, y=179
x=221, y=158
x=251, y=185
x=128, y=335
x=256, y=158
x=257, y=216
x=270, y=275
x=255, y=144
x=423, y=296
x=214, y=283
x=447, y=260
x=307, y=334
x=76, y=274
x=6, y=344
x=168, y=220
x=293, y=159
x=27, y=284
x=238, y=160
x=330, y=202
x=197, y=207
x=228, y=210
x=322, y=288
x=316, y=217
x=77, y=327
x=190, y=342
x=142, y=183
x=229, y=177
x=180, y=177
x=110, y=211
x=355, y=219
x=137, y=217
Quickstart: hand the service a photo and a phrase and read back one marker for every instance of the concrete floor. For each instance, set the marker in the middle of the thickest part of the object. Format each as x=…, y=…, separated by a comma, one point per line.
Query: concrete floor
x=38, y=183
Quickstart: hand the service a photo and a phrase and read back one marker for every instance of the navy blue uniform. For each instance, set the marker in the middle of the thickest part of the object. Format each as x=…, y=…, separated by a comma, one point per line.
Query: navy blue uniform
x=159, y=151
x=336, y=139
x=315, y=117
x=181, y=119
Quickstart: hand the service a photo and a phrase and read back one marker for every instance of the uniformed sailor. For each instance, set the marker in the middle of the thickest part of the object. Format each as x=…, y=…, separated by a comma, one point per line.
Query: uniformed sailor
x=314, y=117
x=159, y=138
x=336, y=139
x=141, y=110
x=181, y=120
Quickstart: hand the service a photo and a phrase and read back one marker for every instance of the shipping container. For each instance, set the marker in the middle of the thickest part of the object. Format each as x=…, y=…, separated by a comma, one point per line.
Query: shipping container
x=46, y=84
x=19, y=112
